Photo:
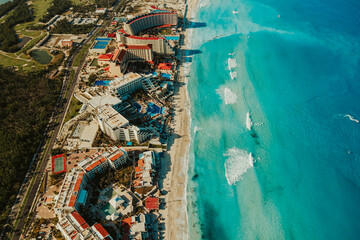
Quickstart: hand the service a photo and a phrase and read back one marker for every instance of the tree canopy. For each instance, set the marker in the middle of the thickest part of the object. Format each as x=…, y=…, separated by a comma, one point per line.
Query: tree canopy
x=26, y=103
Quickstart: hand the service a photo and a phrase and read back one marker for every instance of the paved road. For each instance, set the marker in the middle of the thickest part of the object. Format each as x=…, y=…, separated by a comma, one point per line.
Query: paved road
x=59, y=118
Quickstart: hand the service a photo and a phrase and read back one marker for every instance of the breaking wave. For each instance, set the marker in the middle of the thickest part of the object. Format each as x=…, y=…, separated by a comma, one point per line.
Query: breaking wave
x=232, y=63
x=249, y=123
x=238, y=162
x=204, y=3
x=196, y=129
x=229, y=96
x=233, y=74
x=352, y=118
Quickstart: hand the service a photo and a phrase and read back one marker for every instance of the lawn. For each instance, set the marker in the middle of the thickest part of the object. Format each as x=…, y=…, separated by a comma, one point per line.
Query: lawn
x=21, y=29
x=80, y=55
x=8, y=61
x=40, y=8
x=74, y=108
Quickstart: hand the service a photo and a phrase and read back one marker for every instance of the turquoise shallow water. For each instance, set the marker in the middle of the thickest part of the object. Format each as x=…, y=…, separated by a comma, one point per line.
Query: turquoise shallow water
x=293, y=67
x=4, y=1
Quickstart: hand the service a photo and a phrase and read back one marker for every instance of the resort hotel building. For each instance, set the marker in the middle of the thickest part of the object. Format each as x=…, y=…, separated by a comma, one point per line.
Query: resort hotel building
x=145, y=170
x=127, y=84
x=128, y=35
x=118, y=127
x=74, y=193
x=100, y=163
x=137, y=227
x=118, y=61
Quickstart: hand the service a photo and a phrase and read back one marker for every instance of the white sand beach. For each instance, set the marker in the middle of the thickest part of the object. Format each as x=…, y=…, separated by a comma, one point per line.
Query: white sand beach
x=176, y=216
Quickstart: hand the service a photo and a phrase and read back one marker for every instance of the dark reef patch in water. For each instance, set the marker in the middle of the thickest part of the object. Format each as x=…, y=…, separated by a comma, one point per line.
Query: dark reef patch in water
x=211, y=228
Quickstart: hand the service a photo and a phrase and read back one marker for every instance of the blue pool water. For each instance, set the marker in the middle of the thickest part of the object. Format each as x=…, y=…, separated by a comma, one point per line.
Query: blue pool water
x=174, y=38
x=154, y=109
x=274, y=94
x=166, y=75
x=137, y=106
x=100, y=45
x=102, y=83
x=108, y=209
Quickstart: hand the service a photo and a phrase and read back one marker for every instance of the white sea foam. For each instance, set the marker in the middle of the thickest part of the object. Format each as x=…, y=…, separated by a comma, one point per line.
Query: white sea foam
x=238, y=162
x=249, y=123
x=229, y=96
x=231, y=63
x=204, y=3
x=233, y=74
x=235, y=12
x=352, y=118
x=196, y=129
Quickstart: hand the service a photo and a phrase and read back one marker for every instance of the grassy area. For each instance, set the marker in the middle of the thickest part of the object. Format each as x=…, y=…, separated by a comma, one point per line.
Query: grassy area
x=78, y=2
x=21, y=29
x=8, y=61
x=40, y=8
x=31, y=44
x=74, y=109
x=80, y=55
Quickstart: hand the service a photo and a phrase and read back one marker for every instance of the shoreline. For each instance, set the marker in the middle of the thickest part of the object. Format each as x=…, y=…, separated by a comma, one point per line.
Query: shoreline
x=176, y=223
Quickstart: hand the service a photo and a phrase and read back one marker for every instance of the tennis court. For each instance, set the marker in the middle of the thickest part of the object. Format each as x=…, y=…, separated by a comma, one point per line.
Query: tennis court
x=58, y=164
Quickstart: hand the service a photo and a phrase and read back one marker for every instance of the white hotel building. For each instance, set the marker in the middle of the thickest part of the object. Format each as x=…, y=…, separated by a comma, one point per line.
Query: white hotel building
x=117, y=127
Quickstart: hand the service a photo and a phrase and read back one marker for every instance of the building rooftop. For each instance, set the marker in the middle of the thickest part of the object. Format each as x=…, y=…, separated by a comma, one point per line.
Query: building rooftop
x=152, y=203
x=116, y=156
x=95, y=164
x=105, y=57
x=111, y=117
x=121, y=81
x=148, y=46
x=99, y=101
x=101, y=230
x=80, y=221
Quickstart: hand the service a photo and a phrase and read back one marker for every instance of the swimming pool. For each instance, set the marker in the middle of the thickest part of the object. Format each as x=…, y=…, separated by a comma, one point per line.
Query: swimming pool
x=101, y=45
x=137, y=106
x=102, y=83
x=108, y=209
x=166, y=75
x=173, y=38
x=153, y=109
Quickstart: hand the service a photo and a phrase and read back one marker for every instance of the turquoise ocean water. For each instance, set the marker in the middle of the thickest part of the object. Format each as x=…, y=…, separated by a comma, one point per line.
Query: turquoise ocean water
x=4, y=1
x=274, y=88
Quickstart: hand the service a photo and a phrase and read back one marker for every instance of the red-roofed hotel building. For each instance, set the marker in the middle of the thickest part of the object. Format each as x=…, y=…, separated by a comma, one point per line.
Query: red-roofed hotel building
x=100, y=163
x=127, y=35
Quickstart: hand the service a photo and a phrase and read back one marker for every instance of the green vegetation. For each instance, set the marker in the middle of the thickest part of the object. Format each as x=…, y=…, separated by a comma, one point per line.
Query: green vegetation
x=74, y=109
x=41, y=56
x=26, y=103
x=102, y=139
x=8, y=6
x=64, y=27
x=92, y=78
x=40, y=8
x=80, y=55
x=31, y=44
x=11, y=60
x=57, y=8
x=37, y=225
x=122, y=176
x=57, y=234
x=55, y=179
x=84, y=8
x=8, y=37
x=105, y=3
